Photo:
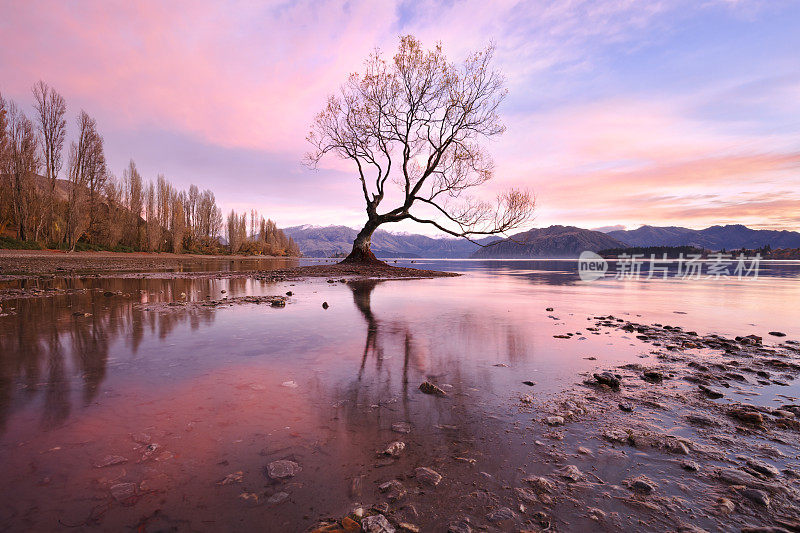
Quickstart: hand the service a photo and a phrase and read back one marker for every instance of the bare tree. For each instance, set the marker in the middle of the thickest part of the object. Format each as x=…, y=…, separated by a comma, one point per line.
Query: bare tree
x=418, y=120
x=21, y=164
x=50, y=110
x=86, y=159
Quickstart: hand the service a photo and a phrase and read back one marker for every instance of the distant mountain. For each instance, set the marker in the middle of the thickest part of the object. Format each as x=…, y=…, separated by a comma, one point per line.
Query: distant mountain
x=552, y=242
x=316, y=241
x=730, y=237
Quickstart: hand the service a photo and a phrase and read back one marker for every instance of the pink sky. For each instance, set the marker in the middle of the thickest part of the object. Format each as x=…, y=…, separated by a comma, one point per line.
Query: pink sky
x=664, y=113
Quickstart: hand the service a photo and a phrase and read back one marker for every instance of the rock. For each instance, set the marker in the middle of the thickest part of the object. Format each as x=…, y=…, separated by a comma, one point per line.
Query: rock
x=642, y=485
x=108, y=294
x=690, y=466
x=549, y=309
x=732, y=476
x=325, y=305
x=376, y=524
x=724, y=506
x=283, y=469
x=763, y=468
x=699, y=419
x=529, y=383
x=626, y=407
x=526, y=495
x=527, y=399
x=777, y=333
x=429, y=388
x=616, y=436
x=289, y=384
x=277, y=303
x=123, y=491
x=584, y=451
x=758, y=496
x=405, y=526
x=461, y=526
x=427, y=476
x=277, y=498
x=394, y=490
x=651, y=376
x=714, y=394
x=539, y=484
x=401, y=427
x=747, y=416
x=571, y=473
x=555, y=420
x=110, y=460
x=501, y=515
x=608, y=379
x=395, y=449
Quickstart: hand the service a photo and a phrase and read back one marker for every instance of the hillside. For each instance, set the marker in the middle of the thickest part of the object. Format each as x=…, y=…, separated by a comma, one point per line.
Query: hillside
x=732, y=236
x=315, y=241
x=552, y=242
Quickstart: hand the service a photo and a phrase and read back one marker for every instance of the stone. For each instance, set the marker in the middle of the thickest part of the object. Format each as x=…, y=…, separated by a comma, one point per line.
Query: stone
x=236, y=477
x=283, y=469
x=376, y=524
x=539, y=484
x=401, y=427
x=747, y=416
x=289, y=384
x=690, y=466
x=529, y=383
x=642, y=485
x=763, y=468
x=461, y=526
x=651, y=376
x=755, y=495
x=110, y=460
x=501, y=515
x=709, y=392
x=427, y=476
x=526, y=495
x=555, y=420
x=527, y=399
x=123, y=491
x=278, y=497
x=325, y=305
x=777, y=333
x=405, y=526
x=609, y=379
x=724, y=506
x=429, y=388
x=626, y=407
x=394, y=490
x=571, y=473
x=395, y=449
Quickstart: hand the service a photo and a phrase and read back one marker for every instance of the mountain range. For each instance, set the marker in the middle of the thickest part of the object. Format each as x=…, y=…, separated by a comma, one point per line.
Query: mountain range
x=554, y=241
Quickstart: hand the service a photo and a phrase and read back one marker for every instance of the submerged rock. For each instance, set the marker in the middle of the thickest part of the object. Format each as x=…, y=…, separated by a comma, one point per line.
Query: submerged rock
x=395, y=449
x=123, y=491
x=429, y=388
x=283, y=469
x=110, y=460
x=401, y=427
x=608, y=379
x=394, y=490
x=501, y=515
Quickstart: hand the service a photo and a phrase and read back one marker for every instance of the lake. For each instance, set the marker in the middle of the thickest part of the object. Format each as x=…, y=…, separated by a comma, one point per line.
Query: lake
x=118, y=410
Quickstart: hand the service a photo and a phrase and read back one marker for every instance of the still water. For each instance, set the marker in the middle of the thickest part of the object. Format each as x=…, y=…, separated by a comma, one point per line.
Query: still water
x=225, y=390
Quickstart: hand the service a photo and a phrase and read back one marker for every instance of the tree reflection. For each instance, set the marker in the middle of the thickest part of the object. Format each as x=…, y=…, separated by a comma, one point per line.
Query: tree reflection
x=52, y=347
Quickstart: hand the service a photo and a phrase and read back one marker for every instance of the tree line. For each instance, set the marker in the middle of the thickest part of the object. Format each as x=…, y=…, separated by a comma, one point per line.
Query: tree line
x=88, y=207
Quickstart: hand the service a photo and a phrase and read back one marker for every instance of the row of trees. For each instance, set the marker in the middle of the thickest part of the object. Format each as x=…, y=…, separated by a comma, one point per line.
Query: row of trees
x=92, y=206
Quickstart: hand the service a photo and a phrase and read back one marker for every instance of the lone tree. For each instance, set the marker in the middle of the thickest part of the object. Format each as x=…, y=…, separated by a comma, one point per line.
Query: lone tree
x=417, y=121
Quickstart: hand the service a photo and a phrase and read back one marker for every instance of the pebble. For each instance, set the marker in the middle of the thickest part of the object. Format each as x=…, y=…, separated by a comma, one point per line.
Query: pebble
x=555, y=420
x=758, y=496
x=429, y=388
x=401, y=427
x=283, y=469
x=571, y=473
x=376, y=524
x=607, y=378
x=395, y=449
x=501, y=515
x=123, y=491
x=427, y=476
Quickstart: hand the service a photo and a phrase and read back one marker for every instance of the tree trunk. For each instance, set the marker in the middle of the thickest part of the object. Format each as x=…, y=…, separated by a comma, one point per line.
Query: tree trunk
x=361, y=253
